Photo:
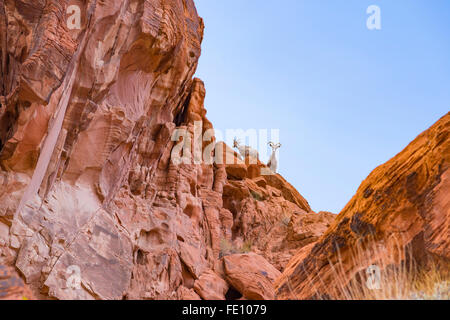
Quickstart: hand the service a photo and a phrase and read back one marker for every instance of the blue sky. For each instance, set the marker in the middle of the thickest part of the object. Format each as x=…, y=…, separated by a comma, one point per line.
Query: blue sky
x=346, y=99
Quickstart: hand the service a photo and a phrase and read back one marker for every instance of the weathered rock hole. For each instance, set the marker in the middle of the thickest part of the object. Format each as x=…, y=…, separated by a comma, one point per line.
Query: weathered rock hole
x=141, y=257
x=150, y=238
x=26, y=104
x=188, y=279
x=193, y=188
x=233, y=294
x=192, y=211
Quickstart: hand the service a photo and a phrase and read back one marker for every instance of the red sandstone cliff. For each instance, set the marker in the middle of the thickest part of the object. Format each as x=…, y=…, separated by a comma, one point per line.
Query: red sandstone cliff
x=398, y=220
x=93, y=206
x=87, y=183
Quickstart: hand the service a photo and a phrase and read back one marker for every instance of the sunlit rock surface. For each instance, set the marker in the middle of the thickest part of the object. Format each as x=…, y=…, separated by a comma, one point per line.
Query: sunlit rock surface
x=92, y=205
x=400, y=216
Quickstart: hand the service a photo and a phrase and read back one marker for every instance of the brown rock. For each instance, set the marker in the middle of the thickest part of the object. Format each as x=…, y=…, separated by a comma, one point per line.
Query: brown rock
x=89, y=122
x=252, y=275
x=235, y=167
x=12, y=287
x=192, y=259
x=309, y=226
x=210, y=286
x=184, y=293
x=287, y=190
x=236, y=171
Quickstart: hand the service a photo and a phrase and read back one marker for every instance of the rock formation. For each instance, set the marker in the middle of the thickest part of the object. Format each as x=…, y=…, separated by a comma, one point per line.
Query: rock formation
x=251, y=275
x=89, y=190
x=399, y=216
x=12, y=286
x=109, y=189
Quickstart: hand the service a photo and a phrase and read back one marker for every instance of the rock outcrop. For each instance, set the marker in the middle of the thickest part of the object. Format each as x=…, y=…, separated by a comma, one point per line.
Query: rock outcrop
x=112, y=185
x=251, y=275
x=211, y=287
x=399, y=217
x=12, y=286
x=96, y=198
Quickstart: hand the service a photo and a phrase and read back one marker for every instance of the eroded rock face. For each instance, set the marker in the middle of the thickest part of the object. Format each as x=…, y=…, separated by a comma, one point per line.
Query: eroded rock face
x=251, y=275
x=11, y=285
x=90, y=193
x=400, y=215
x=210, y=286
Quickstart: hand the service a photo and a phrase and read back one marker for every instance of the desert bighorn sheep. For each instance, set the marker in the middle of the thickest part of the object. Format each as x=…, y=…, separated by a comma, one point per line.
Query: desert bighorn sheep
x=245, y=151
x=273, y=162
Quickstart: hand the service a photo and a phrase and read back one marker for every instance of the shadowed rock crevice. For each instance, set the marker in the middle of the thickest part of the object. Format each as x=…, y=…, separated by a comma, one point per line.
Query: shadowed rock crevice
x=233, y=294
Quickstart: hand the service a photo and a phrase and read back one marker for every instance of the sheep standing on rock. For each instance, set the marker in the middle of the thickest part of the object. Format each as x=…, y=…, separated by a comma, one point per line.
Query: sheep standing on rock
x=245, y=151
x=273, y=162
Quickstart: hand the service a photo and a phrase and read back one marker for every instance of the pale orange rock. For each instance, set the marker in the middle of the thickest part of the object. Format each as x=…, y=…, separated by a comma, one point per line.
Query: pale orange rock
x=251, y=275
x=192, y=258
x=184, y=293
x=210, y=286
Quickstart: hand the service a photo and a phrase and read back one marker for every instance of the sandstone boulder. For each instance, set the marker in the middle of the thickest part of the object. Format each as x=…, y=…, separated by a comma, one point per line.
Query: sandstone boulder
x=251, y=275
x=210, y=286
